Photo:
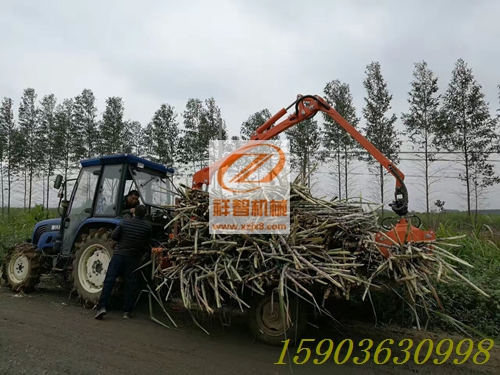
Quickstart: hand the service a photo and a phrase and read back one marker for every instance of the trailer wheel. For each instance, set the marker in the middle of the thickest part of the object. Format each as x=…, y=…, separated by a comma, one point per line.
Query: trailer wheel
x=90, y=264
x=269, y=327
x=23, y=267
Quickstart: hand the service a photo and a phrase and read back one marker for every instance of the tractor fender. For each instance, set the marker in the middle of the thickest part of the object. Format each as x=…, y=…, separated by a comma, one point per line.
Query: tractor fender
x=93, y=223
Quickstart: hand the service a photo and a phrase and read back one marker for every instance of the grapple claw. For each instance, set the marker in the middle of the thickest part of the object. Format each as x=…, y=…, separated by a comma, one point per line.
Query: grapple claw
x=402, y=233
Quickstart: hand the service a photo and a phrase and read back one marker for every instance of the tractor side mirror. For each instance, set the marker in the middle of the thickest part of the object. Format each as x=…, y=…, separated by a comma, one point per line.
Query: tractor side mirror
x=58, y=181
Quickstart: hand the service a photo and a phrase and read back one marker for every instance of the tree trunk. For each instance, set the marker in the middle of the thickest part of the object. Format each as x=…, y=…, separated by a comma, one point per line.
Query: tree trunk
x=382, y=188
x=466, y=154
x=31, y=188
x=48, y=190
x=9, y=183
x=426, y=179
x=467, y=182
x=43, y=193
x=346, y=164
x=309, y=175
x=426, y=155
x=3, y=203
x=304, y=171
x=339, y=172
x=66, y=168
x=476, y=193
x=25, y=187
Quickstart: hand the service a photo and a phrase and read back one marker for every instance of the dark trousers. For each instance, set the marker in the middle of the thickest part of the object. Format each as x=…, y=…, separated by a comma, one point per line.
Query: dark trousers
x=120, y=264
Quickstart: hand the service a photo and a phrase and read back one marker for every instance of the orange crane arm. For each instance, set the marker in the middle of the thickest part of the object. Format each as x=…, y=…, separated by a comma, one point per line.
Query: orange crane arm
x=306, y=107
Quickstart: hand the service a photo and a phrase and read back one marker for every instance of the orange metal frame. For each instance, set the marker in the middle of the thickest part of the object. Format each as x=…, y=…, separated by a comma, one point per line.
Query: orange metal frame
x=306, y=107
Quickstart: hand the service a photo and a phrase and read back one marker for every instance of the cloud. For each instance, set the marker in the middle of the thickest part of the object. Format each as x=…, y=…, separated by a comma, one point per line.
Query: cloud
x=168, y=53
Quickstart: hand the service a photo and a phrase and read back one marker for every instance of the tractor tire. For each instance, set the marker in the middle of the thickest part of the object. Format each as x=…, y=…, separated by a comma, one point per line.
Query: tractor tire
x=23, y=267
x=90, y=264
x=266, y=322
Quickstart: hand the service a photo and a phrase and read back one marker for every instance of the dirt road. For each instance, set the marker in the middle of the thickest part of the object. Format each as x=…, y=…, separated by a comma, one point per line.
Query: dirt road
x=46, y=333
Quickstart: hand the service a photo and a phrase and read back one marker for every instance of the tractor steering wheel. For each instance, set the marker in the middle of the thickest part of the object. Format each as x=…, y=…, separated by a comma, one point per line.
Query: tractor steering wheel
x=157, y=215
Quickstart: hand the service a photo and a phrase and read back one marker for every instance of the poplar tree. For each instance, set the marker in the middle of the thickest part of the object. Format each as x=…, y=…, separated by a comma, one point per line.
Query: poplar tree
x=379, y=129
x=8, y=131
x=163, y=133
x=191, y=142
x=469, y=131
x=134, y=136
x=202, y=123
x=64, y=130
x=112, y=127
x=29, y=126
x=305, y=140
x=86, y=136
x=339, y=145
x=253, y=122
x=422, y=121
x=48, y=139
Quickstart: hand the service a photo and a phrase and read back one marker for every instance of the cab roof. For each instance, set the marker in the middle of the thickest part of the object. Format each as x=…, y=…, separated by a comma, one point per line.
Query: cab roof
x=129, y=159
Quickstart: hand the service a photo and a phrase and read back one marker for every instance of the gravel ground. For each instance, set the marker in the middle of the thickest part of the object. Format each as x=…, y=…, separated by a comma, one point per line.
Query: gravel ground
x=45, y=332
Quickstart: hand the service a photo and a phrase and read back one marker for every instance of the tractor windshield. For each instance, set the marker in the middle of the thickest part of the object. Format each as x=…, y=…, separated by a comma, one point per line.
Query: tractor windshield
x=154, y=190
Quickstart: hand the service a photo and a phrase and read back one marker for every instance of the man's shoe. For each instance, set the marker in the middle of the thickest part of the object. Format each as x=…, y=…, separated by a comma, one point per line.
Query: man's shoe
x=126, y=315
x=100, y=313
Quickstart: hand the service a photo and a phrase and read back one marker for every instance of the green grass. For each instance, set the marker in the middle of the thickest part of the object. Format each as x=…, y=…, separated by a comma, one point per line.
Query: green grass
x=18, y=226
x=480, y=248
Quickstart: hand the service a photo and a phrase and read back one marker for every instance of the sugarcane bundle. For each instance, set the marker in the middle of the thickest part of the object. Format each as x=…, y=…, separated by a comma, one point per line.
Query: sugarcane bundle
x=331, y=247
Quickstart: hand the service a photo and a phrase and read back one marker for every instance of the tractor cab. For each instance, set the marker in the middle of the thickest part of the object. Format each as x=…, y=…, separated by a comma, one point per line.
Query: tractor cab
x=100, y=190
x=96, y=207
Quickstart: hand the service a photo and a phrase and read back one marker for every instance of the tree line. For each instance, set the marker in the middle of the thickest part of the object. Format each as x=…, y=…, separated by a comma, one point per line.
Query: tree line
x=48, y=135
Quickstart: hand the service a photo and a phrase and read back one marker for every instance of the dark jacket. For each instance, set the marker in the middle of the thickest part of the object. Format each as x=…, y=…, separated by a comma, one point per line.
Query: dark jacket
x=133, y=237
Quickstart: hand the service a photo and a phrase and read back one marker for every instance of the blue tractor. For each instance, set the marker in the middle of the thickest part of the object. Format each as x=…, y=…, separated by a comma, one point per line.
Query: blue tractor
x=78, y=244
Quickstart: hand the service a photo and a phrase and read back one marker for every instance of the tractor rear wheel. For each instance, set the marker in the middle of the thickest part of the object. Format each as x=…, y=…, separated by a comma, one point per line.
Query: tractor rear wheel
x=92, y=257
x=267, y=324
x=23, y=267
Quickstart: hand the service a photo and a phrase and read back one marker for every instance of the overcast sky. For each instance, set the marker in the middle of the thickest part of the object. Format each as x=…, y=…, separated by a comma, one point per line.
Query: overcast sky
x=247, y=54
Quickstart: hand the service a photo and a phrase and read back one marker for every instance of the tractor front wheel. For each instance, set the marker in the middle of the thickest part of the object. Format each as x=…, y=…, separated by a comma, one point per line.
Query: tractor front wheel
x=23, y=267
x=90, y=264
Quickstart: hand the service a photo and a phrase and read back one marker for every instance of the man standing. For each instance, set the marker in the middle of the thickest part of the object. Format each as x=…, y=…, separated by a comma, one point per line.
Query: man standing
x=133, y=236
x=130, y=201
